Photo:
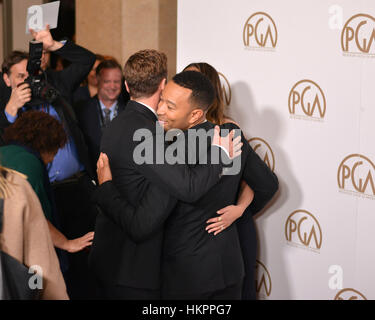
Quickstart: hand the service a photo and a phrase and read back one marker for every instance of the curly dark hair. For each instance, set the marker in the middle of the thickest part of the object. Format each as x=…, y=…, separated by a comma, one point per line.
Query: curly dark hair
x=37, y=130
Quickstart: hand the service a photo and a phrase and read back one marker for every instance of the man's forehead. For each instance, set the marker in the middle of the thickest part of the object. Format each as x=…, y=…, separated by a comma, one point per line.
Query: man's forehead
x=110, y=72
x=174, y=92
x=19, y=67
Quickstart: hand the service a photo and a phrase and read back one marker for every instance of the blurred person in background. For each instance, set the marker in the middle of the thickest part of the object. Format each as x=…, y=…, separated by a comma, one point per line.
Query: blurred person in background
x=45, y=60
x=89, y=87
x=95, y=114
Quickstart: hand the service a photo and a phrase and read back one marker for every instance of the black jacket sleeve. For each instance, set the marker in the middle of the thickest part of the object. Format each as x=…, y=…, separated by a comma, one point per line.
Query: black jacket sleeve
x=69, y=79
x=185, y=182
x=259, y=178
x=138, y=223
x=256, y=173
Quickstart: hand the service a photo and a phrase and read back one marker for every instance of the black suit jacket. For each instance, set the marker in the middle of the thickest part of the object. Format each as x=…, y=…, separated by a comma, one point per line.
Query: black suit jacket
x=194, y=261
x=66, y=81
x=115, y=257
x=90, y=119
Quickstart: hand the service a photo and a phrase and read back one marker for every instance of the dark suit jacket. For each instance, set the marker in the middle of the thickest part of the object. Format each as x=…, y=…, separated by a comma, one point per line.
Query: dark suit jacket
x=66, y=81
x=115, y=257
x=90, y=119
x=194, y=261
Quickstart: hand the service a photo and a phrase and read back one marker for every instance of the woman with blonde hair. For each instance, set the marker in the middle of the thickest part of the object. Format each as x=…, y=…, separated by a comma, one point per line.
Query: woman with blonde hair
x=228, y=215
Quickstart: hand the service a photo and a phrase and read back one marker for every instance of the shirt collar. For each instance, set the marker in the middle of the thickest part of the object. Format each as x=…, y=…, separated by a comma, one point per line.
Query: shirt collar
x=112, y=108
x=148, y=107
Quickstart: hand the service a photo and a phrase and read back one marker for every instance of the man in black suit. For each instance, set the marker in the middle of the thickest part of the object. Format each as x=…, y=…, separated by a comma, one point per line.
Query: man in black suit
x=196, y=265
x=71, y=173
x=95, y=114
x=125, y=269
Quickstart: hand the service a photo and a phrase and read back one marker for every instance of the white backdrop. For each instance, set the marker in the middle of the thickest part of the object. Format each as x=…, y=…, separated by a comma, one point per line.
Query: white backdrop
x=316, y=241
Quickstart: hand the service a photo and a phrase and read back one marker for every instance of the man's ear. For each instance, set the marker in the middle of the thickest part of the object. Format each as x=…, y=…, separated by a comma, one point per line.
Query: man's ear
x=196, y=114
x=127, y=87
x=6, y=79
x=162, y=84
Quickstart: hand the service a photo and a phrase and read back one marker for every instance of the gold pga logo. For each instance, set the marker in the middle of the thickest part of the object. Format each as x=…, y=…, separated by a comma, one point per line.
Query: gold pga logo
x=356, y=176
x=349, y=294
x=264, y=151
x=226, y=89
x=307, y=101
x=260, y=32
x=263, y=283
x=303, y=230
x=358, y=36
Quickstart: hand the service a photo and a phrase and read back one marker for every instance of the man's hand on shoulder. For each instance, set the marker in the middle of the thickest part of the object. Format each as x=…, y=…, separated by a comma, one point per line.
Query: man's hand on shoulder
x=45, y=36
x=231, y=145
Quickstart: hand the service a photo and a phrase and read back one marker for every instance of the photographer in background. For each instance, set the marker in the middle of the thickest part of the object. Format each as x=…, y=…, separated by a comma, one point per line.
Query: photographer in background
x=70, y=172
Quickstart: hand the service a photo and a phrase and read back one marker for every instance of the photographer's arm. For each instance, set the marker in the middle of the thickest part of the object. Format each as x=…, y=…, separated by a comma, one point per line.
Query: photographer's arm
x=49, y=44
x=18, y=98
x=81, y=60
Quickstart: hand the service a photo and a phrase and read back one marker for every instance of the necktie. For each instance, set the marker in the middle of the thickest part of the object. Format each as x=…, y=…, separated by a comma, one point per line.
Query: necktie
x=107, y=117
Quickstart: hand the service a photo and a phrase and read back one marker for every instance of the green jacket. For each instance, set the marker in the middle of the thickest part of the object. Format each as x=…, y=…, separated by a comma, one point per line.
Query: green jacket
x=19, y=159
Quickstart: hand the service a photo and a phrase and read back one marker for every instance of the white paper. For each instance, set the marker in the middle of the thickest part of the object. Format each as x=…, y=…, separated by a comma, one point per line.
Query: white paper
x=38, y=16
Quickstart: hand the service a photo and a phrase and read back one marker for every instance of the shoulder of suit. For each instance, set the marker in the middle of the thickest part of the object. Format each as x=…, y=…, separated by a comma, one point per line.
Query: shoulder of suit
x=230, y=121
x=86, y=106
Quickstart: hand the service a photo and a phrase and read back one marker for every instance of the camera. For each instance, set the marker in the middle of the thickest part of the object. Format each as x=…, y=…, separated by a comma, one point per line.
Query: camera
x=41, y=90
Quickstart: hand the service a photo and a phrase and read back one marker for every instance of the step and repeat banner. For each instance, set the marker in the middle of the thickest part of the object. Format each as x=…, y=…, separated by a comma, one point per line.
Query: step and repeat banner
x=299, y=78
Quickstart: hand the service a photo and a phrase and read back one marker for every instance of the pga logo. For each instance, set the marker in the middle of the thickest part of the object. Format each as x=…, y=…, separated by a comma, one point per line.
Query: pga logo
x=358, y=35
x=356, y=174
x=307, y=100
x=260, y=31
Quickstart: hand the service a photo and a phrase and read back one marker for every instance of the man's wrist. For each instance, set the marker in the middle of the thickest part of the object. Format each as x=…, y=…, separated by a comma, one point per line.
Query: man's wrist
x=11, y=110
x=56, y=46
x=101, y=182
x=67, y=245
x=222, y=148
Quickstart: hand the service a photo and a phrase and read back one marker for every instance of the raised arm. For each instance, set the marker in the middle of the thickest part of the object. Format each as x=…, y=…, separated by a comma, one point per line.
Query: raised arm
x=81, y=60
